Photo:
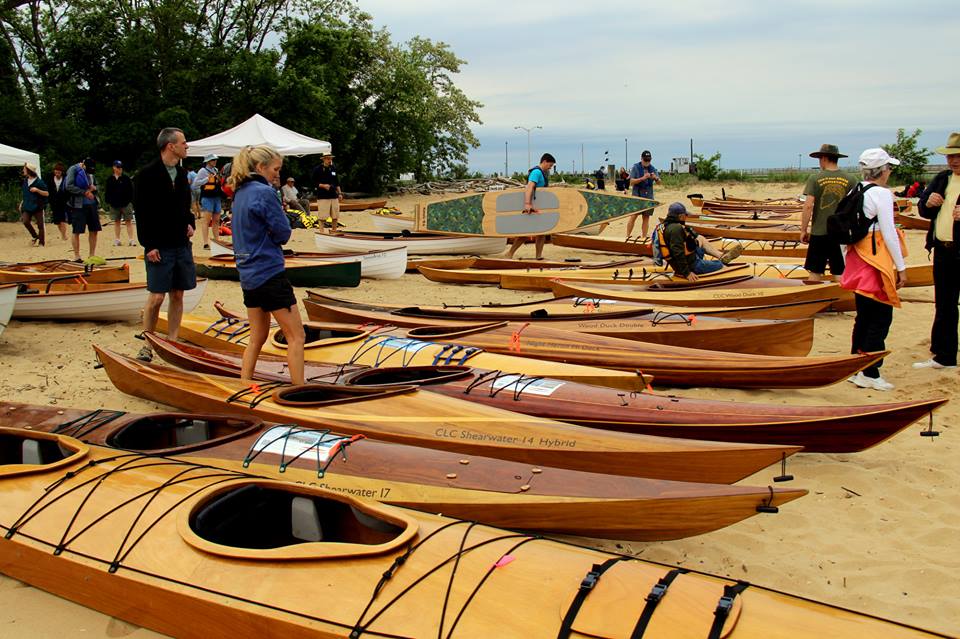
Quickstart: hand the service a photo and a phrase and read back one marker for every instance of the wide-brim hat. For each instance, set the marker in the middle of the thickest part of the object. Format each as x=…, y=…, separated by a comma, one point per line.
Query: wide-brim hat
x=326, y=155
x=210, y=156
x=30, y=166
x=830, y=150
x=953, y=145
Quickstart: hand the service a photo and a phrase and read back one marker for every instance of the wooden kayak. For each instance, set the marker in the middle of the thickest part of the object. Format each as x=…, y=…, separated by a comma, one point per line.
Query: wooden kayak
x=540, y=281
x=762, y=337
x=399, y=413
x=500, y=213
x=196, y=551
x=92, y=302
x=368, y=347
x=766, y=248
x=355, y=205
x=300, y=272
x=51, y=269
x=416, y=243
x=816, y=428
x=784, y=290
x=669, y=365
x=494, y=491
x=630, y=244
x=911, y=222
x=498, y=263
x=783, y=232
x=573, y=308
x=8, y=299
x=382, y=265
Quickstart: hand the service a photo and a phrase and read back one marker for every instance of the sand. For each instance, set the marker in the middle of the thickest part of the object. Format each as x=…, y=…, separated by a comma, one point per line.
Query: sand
x=877, y=533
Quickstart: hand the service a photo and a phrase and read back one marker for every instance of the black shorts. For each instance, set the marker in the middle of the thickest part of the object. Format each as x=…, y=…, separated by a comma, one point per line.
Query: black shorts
x=84, y=218
x=272, y=295
x=59, y=216
x=174, y=272
x=820, y=251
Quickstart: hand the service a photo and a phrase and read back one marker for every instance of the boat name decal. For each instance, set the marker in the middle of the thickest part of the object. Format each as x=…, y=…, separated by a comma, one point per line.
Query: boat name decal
x=537, y=387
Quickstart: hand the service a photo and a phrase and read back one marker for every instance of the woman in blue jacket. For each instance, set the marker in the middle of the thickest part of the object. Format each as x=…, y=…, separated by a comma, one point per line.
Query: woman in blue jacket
x=260, y=229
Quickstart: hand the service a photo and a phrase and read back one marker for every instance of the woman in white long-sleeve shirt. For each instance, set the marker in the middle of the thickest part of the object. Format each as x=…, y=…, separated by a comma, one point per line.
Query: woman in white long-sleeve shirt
x=875, y=268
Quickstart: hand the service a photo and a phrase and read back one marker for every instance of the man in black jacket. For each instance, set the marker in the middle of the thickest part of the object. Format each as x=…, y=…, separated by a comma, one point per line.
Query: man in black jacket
x=939, y=203
x=119, y=196
x=165, y=224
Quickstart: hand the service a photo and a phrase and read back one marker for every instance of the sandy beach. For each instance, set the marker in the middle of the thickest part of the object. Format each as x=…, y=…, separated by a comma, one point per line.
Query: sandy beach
x=878, y=532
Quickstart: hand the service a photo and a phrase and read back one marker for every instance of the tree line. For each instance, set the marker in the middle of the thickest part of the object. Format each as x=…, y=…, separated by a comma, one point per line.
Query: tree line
x=99, y=79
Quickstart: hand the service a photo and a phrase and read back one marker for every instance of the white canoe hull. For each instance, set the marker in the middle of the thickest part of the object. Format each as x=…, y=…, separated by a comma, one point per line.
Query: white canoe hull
x=391, y=223
x=388, y=264
x=439, y=245
x=122, y=304
x=8, y=299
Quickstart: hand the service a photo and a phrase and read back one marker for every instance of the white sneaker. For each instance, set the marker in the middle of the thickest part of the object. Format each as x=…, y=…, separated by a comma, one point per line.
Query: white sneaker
x=132, y=243
x=116, y=242
x=876, y=383
x=932, y=363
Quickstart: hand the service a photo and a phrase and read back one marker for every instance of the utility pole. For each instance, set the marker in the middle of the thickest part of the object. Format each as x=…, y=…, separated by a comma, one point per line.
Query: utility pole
x=799, y=160
x=626, y=156
x=583, y=167
x=523, y=128
x=506, y=159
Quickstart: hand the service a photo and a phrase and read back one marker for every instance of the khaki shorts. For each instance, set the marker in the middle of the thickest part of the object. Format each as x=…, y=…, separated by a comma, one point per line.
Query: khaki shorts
x=124, y=213
x=328, y=208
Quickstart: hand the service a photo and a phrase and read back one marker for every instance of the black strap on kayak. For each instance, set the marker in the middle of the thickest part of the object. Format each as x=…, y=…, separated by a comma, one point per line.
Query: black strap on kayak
x=586, y=586
x=653, y=600
x=86, y=424
x=724, y=606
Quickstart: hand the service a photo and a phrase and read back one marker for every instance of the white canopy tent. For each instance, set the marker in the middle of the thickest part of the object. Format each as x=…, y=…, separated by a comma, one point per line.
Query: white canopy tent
x=12, y=156
x=257, y=130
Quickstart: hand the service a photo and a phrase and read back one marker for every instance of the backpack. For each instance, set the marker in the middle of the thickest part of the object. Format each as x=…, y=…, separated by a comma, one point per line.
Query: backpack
x=656, y=245
x=848, y=224
x=213, y=187
x=80, y=179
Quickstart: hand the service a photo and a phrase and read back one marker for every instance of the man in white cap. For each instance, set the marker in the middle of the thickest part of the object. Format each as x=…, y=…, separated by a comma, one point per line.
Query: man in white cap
x=939, y=203
x=35, y=194
x=328, y=191
x=291, y=197
x=209, y=183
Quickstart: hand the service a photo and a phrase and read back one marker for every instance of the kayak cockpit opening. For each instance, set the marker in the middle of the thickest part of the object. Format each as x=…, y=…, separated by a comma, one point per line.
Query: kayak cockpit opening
x=399, y=375
x=320, y=335
x=178, y=432
x=273, y=520
x=24, y=451
x=327, y=394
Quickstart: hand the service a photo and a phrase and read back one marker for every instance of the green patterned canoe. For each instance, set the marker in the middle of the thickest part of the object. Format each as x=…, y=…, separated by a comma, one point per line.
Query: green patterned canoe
x=499, y=213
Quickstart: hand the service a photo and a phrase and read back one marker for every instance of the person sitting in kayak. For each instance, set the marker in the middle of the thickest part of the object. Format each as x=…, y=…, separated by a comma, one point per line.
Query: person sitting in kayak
x=684, y=249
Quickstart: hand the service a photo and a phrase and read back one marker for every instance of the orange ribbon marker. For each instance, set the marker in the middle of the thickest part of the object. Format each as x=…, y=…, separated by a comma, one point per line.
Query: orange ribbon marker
x=692, y=319
x=255, y=388
x=589, y=307
x=515, y=338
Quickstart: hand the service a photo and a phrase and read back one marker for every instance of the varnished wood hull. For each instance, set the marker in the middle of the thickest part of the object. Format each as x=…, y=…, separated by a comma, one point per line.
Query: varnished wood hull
x=761, y=337
x=199, y=552
x=483, y=489
x=817, y=428
x=911, y=222
x=45, y=271
x=300, y=272
x=773, y=232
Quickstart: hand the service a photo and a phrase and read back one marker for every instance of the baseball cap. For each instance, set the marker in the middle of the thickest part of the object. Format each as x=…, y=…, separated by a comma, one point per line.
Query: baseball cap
x=677, y=208
x=118, y=163
x=645, y=155
x=875, y=158
x=290, y=179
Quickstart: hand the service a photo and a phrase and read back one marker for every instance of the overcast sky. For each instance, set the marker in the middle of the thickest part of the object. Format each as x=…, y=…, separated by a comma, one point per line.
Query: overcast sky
x=759, y=81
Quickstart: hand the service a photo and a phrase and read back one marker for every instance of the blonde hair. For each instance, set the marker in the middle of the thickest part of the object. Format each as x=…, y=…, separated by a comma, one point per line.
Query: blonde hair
x=247, y=161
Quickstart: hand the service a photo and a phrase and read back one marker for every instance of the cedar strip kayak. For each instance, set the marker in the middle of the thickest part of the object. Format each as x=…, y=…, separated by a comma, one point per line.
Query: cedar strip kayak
x=670, y=365
x=762, y=337
x=572, y=308
x=817, y=428
x=494, y=491
x=300, y=272
x=369, y=347
x=911, y=222
x=354, y=205
x=766, y=248
x=45, y=271
x=503, y=263
x=783, y=232
x=196, y=551
x=400, y=414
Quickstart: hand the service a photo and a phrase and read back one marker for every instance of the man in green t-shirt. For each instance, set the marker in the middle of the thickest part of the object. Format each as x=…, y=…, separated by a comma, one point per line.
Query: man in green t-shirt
x=824, y=190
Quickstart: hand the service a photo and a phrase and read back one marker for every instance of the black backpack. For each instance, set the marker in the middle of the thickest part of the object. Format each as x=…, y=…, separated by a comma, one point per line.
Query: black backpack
x=848, y=224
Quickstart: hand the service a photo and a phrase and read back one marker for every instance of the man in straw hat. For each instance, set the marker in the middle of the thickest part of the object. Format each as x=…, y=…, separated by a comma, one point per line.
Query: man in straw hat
x=824, y=190
x=328, y=191
x=939, y=203
x=34, y=200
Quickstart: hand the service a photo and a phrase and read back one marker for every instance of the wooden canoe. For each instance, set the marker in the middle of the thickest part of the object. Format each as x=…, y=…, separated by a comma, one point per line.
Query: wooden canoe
x=494, y=491
x=416, y=243
x=817, y=428
x=389, y=264
x=762, y=337
x=574, y=308
x=92, y=302
x=499, y=213
x=300, y=272
x=785, y=290
x=8, y=299
x=391, y=223
x=355, y=205
x=400, y=414
x=197, y=551
x=45, y=271
x=783, y=232
x=669, y=365
x=369, y=348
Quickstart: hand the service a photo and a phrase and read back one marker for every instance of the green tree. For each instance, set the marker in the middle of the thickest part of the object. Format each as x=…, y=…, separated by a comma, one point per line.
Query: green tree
x=707, y=168
x=912, y=159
